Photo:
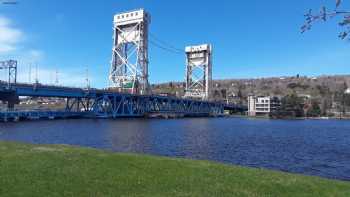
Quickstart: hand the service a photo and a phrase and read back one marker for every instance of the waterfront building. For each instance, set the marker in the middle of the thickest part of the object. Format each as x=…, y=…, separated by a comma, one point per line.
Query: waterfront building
x=262, y=105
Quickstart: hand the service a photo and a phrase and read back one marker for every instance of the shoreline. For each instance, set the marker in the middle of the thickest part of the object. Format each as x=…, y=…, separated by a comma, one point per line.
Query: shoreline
x=289, y=118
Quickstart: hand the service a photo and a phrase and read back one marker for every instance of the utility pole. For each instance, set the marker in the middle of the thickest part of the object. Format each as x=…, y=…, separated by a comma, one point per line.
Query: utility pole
x=36, y=74
x=87, y=78
x=30, y=73
x=56, y=78
x=342, y=112
x=51, y=78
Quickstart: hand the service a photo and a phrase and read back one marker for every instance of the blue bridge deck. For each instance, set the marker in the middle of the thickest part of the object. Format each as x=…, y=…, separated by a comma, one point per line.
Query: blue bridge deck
x=103, y=103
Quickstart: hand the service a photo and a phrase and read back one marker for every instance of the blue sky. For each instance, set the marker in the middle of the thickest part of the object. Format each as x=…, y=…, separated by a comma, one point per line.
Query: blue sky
x=250, y=38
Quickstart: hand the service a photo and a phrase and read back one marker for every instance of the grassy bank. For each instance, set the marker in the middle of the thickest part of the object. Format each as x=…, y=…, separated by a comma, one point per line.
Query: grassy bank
x=59, y=170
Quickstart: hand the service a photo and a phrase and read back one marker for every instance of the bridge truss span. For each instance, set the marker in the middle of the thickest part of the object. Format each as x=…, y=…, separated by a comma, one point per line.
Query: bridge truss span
x=127, y=105
x=106, y=104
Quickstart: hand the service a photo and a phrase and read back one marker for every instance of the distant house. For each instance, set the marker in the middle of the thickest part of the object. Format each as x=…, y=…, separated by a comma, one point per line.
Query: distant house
x=304, y=96
x=262, y=105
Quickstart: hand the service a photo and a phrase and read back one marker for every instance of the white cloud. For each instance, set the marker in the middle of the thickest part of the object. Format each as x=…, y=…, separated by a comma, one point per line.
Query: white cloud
x=34, y=56
x=9, y=35
x=12, y=46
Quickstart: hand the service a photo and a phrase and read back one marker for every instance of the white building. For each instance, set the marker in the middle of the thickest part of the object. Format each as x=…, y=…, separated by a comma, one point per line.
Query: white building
x=262, y=105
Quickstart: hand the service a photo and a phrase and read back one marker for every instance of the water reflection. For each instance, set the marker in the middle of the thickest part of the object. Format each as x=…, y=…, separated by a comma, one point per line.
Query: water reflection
x=128, y=136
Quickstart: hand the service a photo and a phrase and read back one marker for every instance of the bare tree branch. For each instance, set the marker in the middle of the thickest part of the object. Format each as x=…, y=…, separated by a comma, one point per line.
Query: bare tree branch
x=325, y=14
x=337, y=3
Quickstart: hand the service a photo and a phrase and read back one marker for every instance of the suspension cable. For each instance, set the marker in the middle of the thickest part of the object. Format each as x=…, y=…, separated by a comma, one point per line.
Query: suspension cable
x=164, y=45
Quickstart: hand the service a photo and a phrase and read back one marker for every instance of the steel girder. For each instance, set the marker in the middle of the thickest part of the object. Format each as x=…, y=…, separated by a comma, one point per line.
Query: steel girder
x=125, y=105
x=118, y=105
x=78, y=104
x=186, y=107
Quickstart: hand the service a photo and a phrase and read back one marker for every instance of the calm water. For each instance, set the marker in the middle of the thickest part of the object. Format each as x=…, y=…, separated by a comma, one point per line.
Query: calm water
x=313, y=147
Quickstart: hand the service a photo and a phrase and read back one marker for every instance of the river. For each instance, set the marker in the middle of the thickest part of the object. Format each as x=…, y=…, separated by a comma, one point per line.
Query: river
x=311, y=147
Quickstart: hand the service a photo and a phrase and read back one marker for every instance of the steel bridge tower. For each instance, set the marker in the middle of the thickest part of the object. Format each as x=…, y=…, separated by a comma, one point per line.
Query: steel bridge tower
x=11, y=67
x=199, y=71
x=129, y=66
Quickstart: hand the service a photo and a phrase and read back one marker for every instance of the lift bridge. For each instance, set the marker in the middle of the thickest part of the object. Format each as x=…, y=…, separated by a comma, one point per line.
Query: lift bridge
x=129, y=94
x=99, y=103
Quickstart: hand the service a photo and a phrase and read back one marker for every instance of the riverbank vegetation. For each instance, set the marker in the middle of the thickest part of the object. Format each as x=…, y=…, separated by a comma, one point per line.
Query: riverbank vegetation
x=294, y=106
x=60, y=170
x=322, y=96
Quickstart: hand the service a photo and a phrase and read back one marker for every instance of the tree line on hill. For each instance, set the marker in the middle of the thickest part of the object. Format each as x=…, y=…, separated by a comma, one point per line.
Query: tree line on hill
x=307, y=96
x=330, y=104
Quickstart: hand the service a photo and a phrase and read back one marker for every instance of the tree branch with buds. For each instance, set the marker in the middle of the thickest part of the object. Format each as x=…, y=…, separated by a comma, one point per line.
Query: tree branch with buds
x=325, y=14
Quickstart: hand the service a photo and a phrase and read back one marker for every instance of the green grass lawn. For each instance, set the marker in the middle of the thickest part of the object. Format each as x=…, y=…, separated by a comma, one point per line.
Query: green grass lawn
x=60, y=170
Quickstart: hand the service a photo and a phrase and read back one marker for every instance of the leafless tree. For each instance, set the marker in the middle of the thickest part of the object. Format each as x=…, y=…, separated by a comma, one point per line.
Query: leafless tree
x=326, y=14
